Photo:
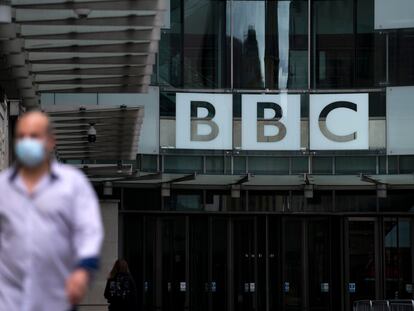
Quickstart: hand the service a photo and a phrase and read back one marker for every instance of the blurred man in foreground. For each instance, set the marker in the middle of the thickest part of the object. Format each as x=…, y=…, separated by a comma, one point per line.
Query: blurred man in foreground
x=50, y=225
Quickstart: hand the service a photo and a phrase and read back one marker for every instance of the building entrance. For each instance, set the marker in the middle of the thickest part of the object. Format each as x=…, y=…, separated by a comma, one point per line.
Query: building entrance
x=267, y=262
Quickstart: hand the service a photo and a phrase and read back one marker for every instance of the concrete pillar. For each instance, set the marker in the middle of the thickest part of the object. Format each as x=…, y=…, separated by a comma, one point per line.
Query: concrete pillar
x=95, y=301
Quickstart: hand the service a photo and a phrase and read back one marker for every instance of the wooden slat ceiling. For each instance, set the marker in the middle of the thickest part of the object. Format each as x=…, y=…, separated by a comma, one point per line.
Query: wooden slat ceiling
x=117, y=136
x=80, y=46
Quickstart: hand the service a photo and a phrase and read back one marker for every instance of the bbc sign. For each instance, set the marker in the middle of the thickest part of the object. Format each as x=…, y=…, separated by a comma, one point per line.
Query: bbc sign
x=272, y=122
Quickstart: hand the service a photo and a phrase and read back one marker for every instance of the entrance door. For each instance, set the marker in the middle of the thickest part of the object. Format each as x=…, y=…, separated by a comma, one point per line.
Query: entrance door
x=249, y=263
x=362, y=262
x=398, y=272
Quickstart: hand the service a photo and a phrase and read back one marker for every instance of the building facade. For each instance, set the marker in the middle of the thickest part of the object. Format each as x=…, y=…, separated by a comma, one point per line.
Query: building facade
x=260, y=198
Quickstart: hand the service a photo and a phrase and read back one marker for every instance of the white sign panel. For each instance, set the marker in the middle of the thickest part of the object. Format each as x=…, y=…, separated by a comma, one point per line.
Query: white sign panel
x=204, y=121
x=339, y=122
x=400, y=120
x=394, y=14
x=271, y=122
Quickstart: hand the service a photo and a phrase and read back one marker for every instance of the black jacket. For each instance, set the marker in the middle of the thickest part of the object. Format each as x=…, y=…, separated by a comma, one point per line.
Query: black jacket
x=121, y=293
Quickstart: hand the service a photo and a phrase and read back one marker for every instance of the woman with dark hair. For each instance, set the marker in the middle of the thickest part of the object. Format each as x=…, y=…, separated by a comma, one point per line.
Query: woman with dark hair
x=120, y=290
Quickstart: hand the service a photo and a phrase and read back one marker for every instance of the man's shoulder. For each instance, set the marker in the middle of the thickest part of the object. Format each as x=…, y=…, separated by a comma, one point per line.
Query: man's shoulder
x=5, y=175
x=68, y=172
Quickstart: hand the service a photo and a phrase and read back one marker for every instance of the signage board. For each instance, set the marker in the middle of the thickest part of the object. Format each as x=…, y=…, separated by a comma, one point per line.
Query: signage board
x=400, y=120
x=272, y=122
x=339, y=122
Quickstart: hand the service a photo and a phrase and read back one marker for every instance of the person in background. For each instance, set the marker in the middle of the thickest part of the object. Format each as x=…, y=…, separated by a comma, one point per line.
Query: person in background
x=50, y=225
x=120, y=290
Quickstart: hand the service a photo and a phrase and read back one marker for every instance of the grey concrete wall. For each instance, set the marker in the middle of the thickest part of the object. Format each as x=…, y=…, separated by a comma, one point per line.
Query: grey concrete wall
x=94, y=300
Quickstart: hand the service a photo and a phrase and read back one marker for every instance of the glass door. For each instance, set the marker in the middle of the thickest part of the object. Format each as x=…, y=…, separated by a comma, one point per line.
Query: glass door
x=362, y=260
x=249, y=263
x=174, y=268
x=398, y=272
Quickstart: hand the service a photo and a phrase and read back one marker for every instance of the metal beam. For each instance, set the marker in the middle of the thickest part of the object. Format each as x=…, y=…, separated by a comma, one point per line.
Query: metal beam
x=108, y=60
x=130, y=47
x=124, y=35
x=120, y=5
x=123, y=70
x=110, y=89
x=135, y=80
x=130, y=20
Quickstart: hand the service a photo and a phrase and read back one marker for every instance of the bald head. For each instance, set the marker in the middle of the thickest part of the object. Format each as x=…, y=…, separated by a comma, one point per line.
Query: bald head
x=35, y=124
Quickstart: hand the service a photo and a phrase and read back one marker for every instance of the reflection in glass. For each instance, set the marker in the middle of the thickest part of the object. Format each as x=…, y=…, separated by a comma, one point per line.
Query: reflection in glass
x=270, y=44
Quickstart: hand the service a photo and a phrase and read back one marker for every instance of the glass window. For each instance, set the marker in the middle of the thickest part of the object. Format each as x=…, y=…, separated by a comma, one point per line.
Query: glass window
x=397, y=201
x=184, y=200
x=214, y=165
x=401, y=57
x=148, y=163
x=347, y=52
x=270, y=44
x=355, y=165
x=268, y=201
x=183, y=164
x=299, y=165
x=239, y=165
x=268, y=165
x=406, y=164
x=193, y=53
x=322, y=165
x=355, y=201
x=141, y=199
x=322, y=201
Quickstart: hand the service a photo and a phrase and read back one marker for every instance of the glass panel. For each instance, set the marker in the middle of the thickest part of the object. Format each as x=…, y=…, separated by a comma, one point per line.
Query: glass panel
x=270, y=44
x=319, y=264
x=217, y=201
x=355, y=165
x=244, y=264
x=300, y=165
x=292, y=269
x=322, y=201
x=239, y=165
x=199, y=255
x=406, y=164
x=401, y=64
x=351, y=201
x=347, y=51
x=218, y=285
x=268, y=165
x=184, y=200
x=193, y=53
x=183, y=164
x=397, y=201
x=149, y=163
x=174, y=281
x=322, y=165
x=132, y=250
x=268, y=201
x=362, y=269
x=141, y=199
x=150, y=270
x=214, y=165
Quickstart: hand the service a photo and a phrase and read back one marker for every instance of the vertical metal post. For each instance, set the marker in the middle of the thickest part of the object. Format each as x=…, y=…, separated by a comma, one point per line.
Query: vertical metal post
x=310, y=44
x=158, y=264
x=187, y=263
x=267, y=262
x=230, y=266
x=305, y=267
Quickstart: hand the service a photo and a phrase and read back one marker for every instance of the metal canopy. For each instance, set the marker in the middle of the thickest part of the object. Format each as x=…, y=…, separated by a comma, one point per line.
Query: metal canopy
x=117, y=133
x=80, y=46
x=271, y=182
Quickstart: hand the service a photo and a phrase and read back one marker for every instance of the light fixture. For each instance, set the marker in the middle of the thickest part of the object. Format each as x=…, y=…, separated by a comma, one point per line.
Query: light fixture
x=308, y=191
x=91, y=133
x=82, y=12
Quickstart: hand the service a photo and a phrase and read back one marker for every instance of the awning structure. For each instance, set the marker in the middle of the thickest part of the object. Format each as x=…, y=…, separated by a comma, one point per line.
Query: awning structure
x=78, y=46
x=117, y=133
x=268, y=182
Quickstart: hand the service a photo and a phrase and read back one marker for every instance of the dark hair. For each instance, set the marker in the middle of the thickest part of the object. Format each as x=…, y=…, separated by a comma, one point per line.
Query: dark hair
x=120, y=266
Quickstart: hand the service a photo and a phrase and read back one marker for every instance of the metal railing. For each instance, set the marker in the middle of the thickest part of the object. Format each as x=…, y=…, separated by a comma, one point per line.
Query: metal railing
x=384, y=305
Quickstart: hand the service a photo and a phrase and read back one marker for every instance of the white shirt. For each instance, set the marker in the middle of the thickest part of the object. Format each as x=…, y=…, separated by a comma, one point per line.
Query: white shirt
x=44, y=236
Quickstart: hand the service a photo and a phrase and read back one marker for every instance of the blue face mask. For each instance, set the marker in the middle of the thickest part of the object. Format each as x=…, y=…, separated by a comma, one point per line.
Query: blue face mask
x=30, y=152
